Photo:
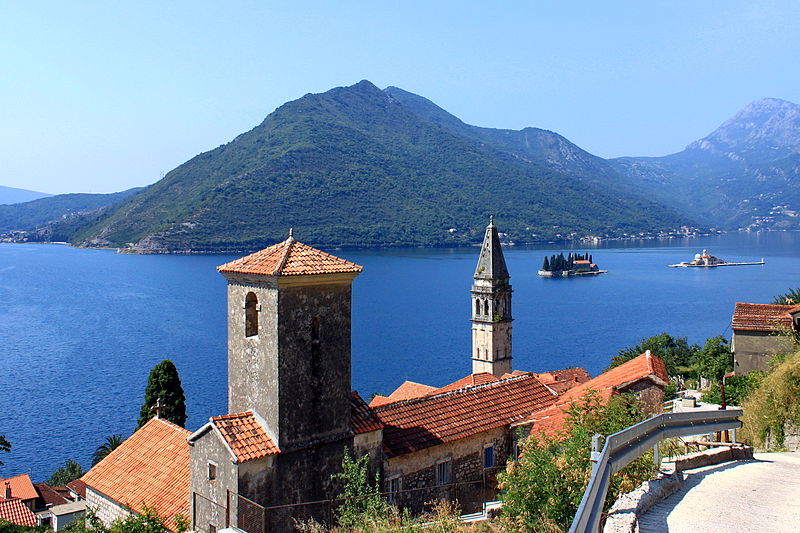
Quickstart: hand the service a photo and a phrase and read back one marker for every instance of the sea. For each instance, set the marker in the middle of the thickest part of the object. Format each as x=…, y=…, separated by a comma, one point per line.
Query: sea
x=80, y=329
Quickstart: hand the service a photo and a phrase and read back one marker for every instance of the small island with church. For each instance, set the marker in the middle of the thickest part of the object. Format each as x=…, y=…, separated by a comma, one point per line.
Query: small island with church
x=706, y=260
x=558, y=266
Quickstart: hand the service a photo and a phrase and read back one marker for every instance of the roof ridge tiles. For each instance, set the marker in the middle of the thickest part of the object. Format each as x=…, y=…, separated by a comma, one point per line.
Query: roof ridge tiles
x=462, y=390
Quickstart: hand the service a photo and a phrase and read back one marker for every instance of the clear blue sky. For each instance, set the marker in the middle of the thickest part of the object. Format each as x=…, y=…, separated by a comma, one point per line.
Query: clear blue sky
x=103, y=96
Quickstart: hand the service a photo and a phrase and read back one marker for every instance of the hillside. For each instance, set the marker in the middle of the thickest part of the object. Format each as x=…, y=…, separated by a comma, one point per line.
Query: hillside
x=746, y=173
x=60, y=214
x=356, y=166
x=12, y=195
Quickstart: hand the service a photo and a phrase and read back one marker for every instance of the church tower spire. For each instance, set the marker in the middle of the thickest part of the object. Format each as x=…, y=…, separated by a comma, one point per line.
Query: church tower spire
x=491, y=308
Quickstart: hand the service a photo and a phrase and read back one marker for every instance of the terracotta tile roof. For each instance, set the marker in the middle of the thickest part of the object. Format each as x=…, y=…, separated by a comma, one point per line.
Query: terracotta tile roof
x=49, y=495
x=21, y=487
x=16, y=512
x=646, y=366
x=416, y=424
x=363, y=417
x=562, y=380
x=763, y=317
x=406, y=391
x=289, y=258
x=481, y=378
x=78, y=487
x=149, y=468
x=245, y=436
x=552, y=420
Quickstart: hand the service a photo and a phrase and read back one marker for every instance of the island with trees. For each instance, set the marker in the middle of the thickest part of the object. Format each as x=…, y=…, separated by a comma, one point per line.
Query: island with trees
x=557, y=266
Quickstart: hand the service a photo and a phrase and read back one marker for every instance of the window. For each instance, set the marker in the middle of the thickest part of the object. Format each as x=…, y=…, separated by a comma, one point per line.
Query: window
x=250, y=315
x=477, y=307
x=212, y=471
x=486, y=307
x=488, y=457
x=394, y=486
x=443, y=473
x=315, y=329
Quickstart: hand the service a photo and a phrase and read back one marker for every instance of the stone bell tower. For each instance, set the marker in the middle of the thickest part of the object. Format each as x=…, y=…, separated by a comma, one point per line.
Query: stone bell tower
x=289, y=341
x=491, y=308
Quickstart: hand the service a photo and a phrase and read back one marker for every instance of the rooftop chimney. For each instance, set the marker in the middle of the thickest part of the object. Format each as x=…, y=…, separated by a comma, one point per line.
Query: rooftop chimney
x=8, y=490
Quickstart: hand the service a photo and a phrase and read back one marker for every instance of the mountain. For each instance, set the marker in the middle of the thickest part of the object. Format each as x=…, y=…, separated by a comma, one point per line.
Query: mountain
x=57, y=217
x=534, y=145
x=12, y=195
x=746, y=173
x=361, y=166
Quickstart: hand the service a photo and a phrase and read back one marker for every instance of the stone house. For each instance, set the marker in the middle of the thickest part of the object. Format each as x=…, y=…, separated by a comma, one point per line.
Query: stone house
x=19, y=488
x=150, y=468
x=761, y=331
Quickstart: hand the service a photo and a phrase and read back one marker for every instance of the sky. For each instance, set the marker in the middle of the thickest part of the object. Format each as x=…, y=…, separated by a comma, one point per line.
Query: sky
x=104, y=96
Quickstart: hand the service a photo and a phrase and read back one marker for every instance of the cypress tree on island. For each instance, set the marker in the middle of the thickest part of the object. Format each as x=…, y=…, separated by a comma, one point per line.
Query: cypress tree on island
x=164, y=385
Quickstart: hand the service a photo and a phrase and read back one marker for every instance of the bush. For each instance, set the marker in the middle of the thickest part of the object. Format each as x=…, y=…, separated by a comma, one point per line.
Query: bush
x=543, y=489
x=737, y=389
x=774, y=402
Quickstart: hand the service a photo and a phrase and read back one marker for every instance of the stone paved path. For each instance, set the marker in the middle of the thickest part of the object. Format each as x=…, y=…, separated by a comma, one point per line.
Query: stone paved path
x=748, y=496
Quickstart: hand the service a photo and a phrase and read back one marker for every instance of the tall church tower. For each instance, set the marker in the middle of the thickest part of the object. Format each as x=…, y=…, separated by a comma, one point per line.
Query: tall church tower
x=289, y=342
x=491, y=308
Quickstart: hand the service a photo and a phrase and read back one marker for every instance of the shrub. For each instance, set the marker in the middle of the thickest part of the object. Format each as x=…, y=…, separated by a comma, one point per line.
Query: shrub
x=774, y=402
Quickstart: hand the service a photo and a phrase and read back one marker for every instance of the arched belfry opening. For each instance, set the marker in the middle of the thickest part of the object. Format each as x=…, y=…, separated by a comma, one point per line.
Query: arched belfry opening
x=250, y=315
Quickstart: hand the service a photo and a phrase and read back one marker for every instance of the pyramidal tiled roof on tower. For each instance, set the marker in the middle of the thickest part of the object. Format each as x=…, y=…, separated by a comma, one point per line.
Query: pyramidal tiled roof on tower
x=491, y=263
x=289, y=258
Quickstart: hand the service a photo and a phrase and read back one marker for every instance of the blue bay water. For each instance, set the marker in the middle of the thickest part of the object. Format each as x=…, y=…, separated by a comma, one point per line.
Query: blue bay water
x=80, y=329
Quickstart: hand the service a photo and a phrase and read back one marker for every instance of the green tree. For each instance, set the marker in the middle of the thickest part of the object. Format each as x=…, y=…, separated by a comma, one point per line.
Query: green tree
x=714, y=360
x=5, y=446
x=66, y=474
x=546, y=265
x=678, y=355
x=792, y=297
x=112, y=443
x=542, y=490
x=361, y=499
x=164, y=385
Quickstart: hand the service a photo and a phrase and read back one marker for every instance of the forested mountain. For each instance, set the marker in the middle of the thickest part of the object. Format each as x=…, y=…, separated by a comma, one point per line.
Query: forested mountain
x=62, y=212
x=361, y=166
x=744, y=174
x=12, y=195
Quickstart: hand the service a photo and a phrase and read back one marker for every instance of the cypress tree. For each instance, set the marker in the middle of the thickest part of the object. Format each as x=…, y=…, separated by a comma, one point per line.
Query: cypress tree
x=164, y=384
x=546, y=265
x=590, y=258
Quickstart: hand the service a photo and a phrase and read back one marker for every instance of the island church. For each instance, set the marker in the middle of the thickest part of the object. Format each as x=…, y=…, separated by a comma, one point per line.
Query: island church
x=292, y=413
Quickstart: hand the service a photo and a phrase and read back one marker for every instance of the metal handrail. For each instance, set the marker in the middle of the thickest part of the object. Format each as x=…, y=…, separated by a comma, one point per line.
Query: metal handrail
x=623, y=447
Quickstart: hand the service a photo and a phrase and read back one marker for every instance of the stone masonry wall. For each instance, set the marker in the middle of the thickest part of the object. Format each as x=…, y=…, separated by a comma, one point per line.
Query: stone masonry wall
x=753, y=350
x=208, y=508
x=472, y=484
x=106, y=509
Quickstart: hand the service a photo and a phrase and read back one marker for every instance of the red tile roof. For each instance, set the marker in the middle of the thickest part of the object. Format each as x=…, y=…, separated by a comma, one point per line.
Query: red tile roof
x=21, y=487
x=481, y=378
x=763, y=317
x=562, y=380
x=49, y=495
x=245, y=436
x=150, y=468
x=289, y=258
x=16, y=512
x=78, y=487
x=363, y=417
x=646, y=366
x=416, y=424
x=552, y=420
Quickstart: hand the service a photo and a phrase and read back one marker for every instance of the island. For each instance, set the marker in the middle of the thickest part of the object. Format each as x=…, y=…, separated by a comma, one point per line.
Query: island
x=557, y=266
x=706, y=260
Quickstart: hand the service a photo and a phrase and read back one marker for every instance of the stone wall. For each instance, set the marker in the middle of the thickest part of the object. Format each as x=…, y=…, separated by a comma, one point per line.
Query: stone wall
x=106, y=509
x=650, y=394
x=471, y=484
x=208, y=507
x=752, y=350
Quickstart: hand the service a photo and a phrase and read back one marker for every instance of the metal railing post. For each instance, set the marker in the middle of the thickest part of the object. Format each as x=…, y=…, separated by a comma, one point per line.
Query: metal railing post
x=594, y=455
x=657, y=455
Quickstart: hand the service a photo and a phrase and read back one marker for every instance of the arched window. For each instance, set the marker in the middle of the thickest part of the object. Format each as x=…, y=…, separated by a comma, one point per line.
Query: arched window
x=250, y=315
x=315, y=329
x=477, y=306
x=486, y=307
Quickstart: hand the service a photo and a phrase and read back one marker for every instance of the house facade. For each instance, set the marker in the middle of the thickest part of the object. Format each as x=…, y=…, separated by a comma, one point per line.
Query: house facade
x=761, y=331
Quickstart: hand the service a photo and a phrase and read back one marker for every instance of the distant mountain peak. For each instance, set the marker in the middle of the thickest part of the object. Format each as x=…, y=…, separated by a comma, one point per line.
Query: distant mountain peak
x=766, y=125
